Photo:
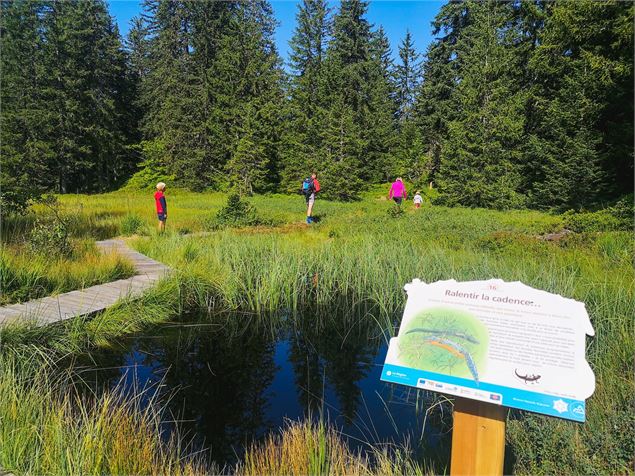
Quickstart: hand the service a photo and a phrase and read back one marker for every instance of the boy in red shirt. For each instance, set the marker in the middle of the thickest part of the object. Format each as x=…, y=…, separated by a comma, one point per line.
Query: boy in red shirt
x=162, y=206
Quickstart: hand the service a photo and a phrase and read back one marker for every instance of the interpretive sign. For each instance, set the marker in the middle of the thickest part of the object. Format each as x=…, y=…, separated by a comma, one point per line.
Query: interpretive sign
x=497, y=342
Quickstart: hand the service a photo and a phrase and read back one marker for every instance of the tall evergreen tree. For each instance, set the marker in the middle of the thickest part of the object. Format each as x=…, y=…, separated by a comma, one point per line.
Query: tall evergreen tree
x=379, y=127
x=579, y=147
x=434, y=108
x=411, y=160
x=301, y=134
x=167, y=90
x=251, y=69
x=480, y=163
x=24, y=149
x=209, y=63
x=407, y=77
x=74, y=95
x=346, y=90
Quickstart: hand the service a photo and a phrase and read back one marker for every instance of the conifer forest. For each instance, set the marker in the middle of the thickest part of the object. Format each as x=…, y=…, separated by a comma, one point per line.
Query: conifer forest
x=516, y=104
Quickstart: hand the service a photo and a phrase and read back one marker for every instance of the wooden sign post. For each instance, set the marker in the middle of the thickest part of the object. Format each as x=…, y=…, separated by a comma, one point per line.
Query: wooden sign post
x=478, y=438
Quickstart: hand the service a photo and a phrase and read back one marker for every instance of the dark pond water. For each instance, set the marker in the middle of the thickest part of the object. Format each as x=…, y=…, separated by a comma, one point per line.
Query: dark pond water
x=229, y=384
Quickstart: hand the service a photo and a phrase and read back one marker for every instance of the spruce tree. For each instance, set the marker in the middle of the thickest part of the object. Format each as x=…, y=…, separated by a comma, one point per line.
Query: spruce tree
x=24, y=149
x=379, y=129
x=411, y=160
x=251, y=67
x=73, y=99
x=433, y=107
x=481, y=160
x=345, y=87
x=248, y=165
x=407, y=77
x=579, y=147
x=301, y=134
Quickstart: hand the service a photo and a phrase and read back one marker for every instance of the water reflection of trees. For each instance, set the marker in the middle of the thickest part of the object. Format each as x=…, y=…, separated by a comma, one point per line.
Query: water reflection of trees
x=216, y=378
x=212, y=382
x=221, y=379
x=338, y=350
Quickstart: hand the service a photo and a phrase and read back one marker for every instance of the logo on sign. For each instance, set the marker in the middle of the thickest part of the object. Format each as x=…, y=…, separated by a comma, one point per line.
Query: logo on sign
x=578, y=409
x=560, y=406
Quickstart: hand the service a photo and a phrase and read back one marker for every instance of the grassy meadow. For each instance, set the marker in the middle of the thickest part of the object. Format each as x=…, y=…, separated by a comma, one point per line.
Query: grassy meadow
x=357, y=257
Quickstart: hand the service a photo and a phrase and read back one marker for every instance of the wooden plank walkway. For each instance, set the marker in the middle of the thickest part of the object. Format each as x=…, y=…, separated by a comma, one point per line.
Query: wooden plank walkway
x=93, y=299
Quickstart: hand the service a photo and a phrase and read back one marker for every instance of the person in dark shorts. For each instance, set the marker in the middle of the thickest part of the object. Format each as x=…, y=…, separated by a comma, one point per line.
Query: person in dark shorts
x=162, y=206
x=398, y=191
x=310, y=188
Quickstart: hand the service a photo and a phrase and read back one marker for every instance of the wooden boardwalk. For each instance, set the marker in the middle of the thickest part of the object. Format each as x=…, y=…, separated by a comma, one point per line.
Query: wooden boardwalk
x=93, y=299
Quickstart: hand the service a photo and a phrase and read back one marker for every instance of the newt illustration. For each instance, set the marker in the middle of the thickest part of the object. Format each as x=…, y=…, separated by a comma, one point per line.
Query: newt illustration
x=457, y=350
x=447, y=341
x=528, y=378
x=443, y=332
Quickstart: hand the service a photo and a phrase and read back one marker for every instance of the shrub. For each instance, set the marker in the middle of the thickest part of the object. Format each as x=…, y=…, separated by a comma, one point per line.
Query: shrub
x=131, y=224
x=236, y=213
x=430, y=195
x=152, y=168
x=618, y=217
x=50, y=238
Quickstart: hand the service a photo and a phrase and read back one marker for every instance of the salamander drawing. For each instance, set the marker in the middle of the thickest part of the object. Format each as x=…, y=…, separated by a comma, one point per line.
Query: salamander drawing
x=441, y=340
x=445, y=333
x=529, y=378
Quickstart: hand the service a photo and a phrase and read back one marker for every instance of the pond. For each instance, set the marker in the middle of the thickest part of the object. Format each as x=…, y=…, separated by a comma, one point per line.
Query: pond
x=229, y=382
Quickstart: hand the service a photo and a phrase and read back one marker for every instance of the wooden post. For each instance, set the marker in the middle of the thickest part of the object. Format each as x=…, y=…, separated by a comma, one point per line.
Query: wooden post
x=478, y=438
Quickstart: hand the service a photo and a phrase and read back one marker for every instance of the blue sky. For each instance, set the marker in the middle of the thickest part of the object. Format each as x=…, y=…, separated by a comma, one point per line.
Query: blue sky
x=396, y=16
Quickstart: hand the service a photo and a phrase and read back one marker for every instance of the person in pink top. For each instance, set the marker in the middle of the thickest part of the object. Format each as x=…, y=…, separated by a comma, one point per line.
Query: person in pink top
x=398, y=191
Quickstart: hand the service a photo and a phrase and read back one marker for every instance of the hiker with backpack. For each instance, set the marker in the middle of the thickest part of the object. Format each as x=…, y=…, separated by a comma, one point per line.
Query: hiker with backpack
x=310, y=187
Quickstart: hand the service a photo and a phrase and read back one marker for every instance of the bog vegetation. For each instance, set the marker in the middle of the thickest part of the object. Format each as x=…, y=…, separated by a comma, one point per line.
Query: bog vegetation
x=523, y=106
x=356, y=257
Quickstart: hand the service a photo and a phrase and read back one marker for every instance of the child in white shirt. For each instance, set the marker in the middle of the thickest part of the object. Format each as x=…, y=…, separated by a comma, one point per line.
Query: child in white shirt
x=418, y=200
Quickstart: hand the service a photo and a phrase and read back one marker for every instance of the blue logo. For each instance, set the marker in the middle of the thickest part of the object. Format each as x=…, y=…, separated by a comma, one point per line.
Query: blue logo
x=578, y=409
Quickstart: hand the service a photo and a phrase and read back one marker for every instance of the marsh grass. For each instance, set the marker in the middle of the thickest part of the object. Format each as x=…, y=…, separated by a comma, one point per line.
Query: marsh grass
x=47, y=427
x=359, y=257
x=25, y=274
x=315, y=447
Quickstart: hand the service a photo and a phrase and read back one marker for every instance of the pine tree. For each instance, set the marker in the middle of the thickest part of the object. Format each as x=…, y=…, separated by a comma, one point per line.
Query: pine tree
x=407, y=77
x=24, y=151
x=301, y=135
x=481, y=160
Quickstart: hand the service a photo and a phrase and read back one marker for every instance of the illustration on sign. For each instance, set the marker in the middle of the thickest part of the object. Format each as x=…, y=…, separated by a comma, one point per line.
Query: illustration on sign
x=504, y=343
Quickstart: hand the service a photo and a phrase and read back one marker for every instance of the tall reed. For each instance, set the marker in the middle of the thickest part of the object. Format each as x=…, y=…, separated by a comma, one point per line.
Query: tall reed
x=359, y=257
x=47, y=427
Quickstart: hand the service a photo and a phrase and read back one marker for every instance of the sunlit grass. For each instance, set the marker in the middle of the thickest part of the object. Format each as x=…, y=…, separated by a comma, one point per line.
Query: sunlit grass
x=359, y=257
x=315, y=447
x=46, y=427
x=26, y=274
